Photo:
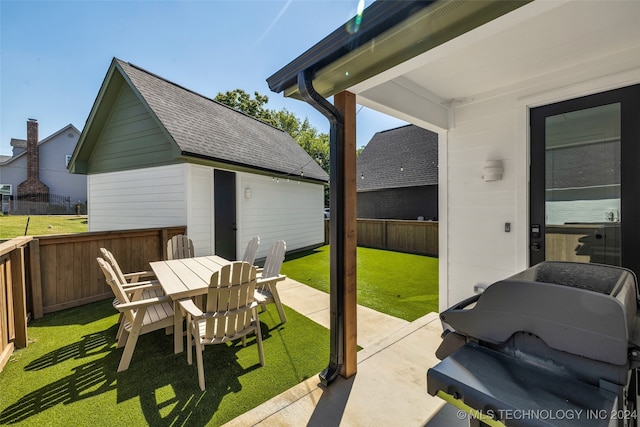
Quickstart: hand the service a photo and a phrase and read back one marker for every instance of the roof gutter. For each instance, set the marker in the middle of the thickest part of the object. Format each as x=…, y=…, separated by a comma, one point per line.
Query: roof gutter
x=243, y=167
x=380, y=16
x=377, y=18
x=336, y=226
x=376, y=36
x=388, y=33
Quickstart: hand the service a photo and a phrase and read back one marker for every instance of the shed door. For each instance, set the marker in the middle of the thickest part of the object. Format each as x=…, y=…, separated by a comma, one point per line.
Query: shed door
x=585, y=176
x=224, y=187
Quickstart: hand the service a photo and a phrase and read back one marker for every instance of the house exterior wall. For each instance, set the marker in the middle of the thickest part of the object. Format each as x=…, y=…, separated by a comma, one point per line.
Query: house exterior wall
x=138, y=198
x=200, y=219
x=182, y=194
x=53, y=167
x=478, y=250
x=279, y=210
x=399, y=203
x=14, y=173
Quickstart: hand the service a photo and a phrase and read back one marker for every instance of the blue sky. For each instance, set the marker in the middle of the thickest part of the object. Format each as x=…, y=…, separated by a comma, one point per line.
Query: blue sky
x=54, y=54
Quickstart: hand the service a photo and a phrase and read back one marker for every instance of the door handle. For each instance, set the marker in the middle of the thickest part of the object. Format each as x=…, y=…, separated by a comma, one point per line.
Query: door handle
x=535, y=246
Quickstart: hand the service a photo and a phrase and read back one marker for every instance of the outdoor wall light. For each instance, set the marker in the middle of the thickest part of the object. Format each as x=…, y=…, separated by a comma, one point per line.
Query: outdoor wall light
x=247, y=193
x=492, y=170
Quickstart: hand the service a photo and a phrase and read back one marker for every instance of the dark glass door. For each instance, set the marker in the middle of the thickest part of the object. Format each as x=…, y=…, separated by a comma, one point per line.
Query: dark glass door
x=585, y=180
x=224, y=199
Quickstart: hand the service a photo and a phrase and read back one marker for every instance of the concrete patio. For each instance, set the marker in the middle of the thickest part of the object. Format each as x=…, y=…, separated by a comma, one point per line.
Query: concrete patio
x=390, y=386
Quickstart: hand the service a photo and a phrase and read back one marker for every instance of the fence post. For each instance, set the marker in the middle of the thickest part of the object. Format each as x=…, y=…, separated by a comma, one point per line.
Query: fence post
x=19, y=297
x=164, y=239
x=385, y=234
x=36, y=280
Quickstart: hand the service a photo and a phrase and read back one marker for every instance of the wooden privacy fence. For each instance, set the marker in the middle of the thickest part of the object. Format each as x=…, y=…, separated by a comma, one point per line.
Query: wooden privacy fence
x=561, y=241
x=45, y=274
x=421, y=237
x=13, y=301
x=416, y=237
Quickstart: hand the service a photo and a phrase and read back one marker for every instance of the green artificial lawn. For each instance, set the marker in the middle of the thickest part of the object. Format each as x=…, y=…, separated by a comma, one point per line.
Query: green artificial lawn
x=15, y=225
x=67, y=375
x=398, y=284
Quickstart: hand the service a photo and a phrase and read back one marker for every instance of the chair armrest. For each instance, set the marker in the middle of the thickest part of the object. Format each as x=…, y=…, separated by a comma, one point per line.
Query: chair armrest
x=259, y=297
x=134, y=277
x=142, y=303
x=190, y=307
x=140, y=286
x=278, y=278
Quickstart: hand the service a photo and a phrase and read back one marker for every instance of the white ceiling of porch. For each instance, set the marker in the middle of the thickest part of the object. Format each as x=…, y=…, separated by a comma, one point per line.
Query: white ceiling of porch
x=537, y=39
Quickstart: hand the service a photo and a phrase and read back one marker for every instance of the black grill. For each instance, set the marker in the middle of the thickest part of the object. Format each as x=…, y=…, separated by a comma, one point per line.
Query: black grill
x=554, y=345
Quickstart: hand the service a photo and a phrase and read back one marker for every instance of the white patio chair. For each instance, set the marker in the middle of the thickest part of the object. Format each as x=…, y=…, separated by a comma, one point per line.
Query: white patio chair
x=266, y=290
x=251, y=250
x=131, y=284
x=125, y=277
x=140, y=316
x=231, y=313
x=180, y=246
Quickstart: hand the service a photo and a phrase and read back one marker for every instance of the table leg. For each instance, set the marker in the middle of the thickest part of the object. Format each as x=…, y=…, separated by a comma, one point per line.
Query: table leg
x=178, y=345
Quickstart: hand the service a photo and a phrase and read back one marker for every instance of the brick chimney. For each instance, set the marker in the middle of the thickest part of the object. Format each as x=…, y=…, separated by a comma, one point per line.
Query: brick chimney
x=32, y=188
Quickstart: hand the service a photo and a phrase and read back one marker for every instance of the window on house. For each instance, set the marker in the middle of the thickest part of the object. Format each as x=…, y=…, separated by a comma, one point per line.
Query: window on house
x=5, y=195
x=67, y=160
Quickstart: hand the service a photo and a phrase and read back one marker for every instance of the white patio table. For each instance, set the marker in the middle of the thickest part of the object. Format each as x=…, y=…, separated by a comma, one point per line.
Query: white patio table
x=185, y=278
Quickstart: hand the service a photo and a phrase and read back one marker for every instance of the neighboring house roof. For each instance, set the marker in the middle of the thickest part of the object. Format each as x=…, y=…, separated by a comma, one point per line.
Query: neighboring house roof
x=402, y=157
x=202, y=128
x=18, y=143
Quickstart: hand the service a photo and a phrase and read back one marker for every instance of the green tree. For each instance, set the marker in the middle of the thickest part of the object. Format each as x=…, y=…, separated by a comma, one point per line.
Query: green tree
x=314, y=143
x=240, y=100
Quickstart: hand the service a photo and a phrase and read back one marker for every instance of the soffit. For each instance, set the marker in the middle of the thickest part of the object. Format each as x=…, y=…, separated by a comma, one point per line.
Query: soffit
x=534, y=40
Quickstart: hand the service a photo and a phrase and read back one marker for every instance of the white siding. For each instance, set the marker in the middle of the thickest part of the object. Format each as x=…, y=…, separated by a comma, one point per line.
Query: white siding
x=478, y=250
x=183, y=195
x=286, y=210
x=139, y=198
x=200, y=208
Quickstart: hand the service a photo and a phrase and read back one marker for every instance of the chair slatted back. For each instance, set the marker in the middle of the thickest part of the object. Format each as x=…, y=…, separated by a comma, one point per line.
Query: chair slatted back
x=116, y=287
x=108, y=256
x=179, y=247
x=230, y=298
x=275, y=258
x=251, y=250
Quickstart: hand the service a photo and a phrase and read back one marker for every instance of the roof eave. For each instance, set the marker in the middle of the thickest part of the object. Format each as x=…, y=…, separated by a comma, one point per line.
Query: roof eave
x=243, y=167
x=81, y=145
x=377, y=18
x=391, y=33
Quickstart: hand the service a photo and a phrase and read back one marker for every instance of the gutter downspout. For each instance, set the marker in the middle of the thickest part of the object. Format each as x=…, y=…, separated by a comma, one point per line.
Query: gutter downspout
x=336, y=226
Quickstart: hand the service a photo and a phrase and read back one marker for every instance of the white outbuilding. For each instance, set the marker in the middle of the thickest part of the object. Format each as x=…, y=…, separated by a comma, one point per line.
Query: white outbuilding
x=157, y=154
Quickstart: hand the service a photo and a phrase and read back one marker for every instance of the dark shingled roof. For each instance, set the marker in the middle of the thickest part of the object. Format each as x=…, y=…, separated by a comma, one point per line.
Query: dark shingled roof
x=402, y=157
x=202, y=127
